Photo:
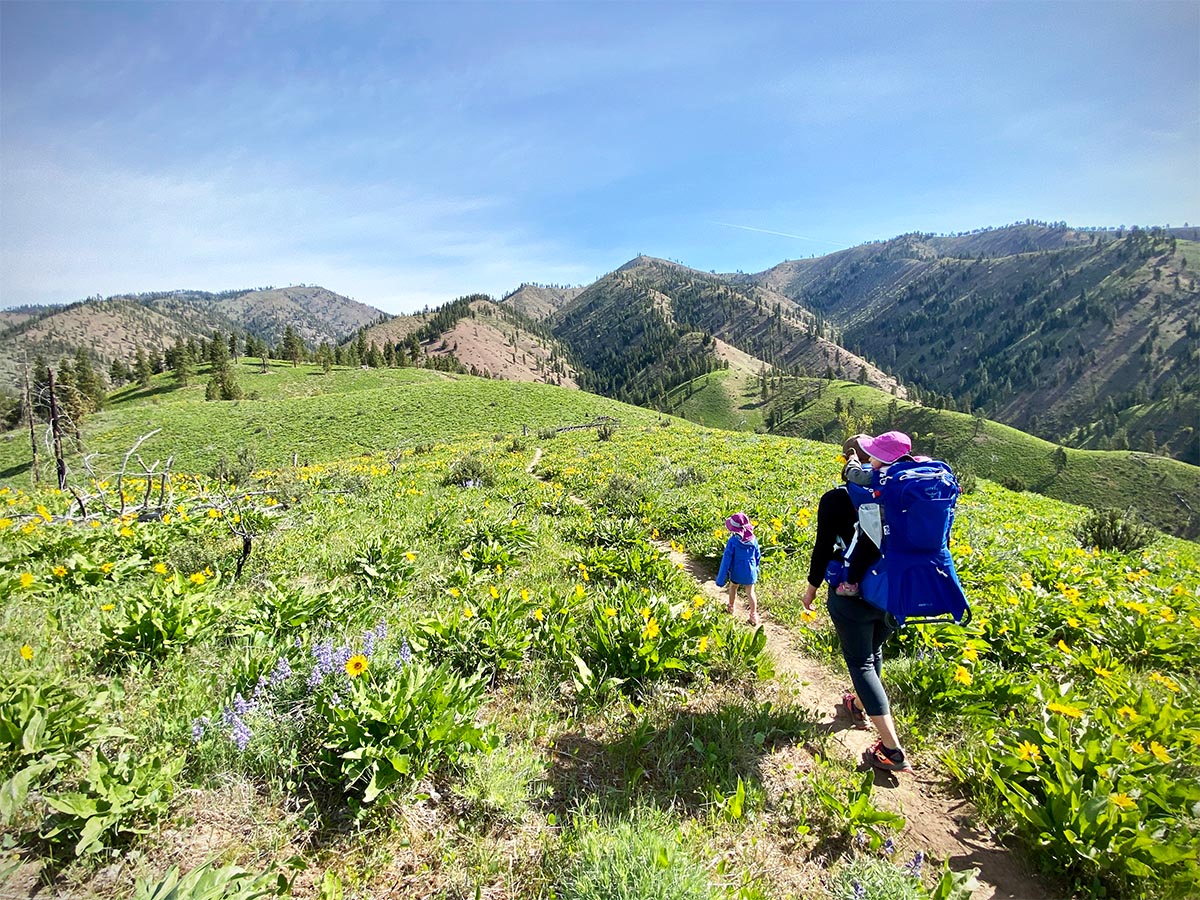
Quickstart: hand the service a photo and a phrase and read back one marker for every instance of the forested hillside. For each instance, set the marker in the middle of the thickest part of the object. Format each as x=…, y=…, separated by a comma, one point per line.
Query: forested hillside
x=1055, y=331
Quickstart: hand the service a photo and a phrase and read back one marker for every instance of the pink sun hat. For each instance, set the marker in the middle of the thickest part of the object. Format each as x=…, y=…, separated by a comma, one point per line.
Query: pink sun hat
x=887, y=447
x=739, y=524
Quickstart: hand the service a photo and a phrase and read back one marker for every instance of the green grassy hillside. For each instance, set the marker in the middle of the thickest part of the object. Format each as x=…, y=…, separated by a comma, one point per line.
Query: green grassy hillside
x=298, y=410
x=470, y=668
x=1165, y=491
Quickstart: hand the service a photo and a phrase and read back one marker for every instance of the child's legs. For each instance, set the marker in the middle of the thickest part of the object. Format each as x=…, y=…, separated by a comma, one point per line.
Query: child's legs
x=753, y=597
x=732, y=594
x=865, y=555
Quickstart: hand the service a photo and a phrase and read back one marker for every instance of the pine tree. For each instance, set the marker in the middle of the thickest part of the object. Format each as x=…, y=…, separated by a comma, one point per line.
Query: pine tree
x=141, y=367
x=185, y=365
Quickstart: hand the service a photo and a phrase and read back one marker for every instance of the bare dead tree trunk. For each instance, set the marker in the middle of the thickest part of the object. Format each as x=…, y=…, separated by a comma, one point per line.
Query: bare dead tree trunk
x=59, y=462
x=29, y=414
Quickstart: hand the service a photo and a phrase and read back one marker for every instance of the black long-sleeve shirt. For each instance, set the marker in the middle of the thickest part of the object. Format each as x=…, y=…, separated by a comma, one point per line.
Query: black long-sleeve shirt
x=836, y=517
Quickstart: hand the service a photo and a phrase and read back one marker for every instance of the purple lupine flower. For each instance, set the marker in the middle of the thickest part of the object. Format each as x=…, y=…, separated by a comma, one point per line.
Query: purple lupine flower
x=315, y=678
x=299, y=643
x=335, y=699
x=889, y=847
x=368, y=644
x=340, y=657
x=240, y=705
x=860, y=838
x=405, y=651
x=859, y=891
x=198, y=728
x=260, y=690
x=381, y=630
x=918, y=863
x=240, y=734
x=228, y=717
x=323, y=654
x=282, y=671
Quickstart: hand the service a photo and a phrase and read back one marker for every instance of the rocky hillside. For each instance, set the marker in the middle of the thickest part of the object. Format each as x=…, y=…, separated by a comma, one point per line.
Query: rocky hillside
x=114, y=328
x=539, y=301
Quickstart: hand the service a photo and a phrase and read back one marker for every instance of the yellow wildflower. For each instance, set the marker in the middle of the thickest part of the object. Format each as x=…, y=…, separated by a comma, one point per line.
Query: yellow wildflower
x=44, y=513
x=1029, y=752
x=1101, y=671
x=703, y=644
x=60, y=571
x=126, y=531
x=1165, y=682
x=1064, y=709
x=970, y=654
x=468, y=612
x=686, y=614
x=645, y=611
x=609, y=612
x=525, y=594
x=26, y=652
x=1159, y=752
x=215, y=513
x=5, y=524
x=197, y=578
x=108, y=607
x=160, y=568
x=26, y=579
x=808, y=615
x=356, y=665
x=579, y=591
x=1072, y=621
x=1128, y=712
x=106, y=567
x=1137, y=747
x=410, y=556
x=1167, y=614
x=1121, y=801
x=962, y=676
x=652, y=630
x=537, y=614
x=494, y=591
x=1062, y=645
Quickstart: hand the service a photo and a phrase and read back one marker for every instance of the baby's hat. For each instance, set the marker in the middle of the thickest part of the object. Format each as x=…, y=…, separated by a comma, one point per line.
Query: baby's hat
x=739, y=524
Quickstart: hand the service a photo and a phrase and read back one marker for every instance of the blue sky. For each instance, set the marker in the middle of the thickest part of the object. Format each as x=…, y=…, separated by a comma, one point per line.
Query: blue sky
x=407, y=153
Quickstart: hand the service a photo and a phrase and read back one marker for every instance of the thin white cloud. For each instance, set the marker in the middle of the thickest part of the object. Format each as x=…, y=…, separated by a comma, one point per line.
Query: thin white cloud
x=799, y=237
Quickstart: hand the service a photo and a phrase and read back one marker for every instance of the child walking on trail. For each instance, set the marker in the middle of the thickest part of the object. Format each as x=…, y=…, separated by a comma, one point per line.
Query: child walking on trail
x=739, y=563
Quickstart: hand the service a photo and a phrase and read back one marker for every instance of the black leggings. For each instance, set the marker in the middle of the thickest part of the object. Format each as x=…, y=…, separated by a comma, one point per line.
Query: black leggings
x=862, y=630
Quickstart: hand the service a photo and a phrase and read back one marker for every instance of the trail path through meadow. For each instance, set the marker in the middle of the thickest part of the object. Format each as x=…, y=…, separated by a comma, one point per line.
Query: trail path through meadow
x=942, y=825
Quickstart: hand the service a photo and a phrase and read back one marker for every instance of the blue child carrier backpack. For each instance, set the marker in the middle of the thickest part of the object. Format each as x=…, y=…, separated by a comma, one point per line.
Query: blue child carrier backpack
x=914, y=579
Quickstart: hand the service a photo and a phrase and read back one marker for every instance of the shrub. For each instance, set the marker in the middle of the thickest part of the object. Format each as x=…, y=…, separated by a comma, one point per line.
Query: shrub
x=470, y=471
x=1014, y=483
x=605, y=432
x=1110, y=529
x=174, y=614
x=518, y=445
x=623, y=495
x=500, y=785
x=237, y=470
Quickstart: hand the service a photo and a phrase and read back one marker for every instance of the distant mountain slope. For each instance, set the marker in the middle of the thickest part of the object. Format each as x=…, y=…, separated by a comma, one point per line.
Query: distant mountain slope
x=497, y=343
x=316, y=314
x=539, y=301
x=650, y=325
x=1052, y=339
x=114, y=328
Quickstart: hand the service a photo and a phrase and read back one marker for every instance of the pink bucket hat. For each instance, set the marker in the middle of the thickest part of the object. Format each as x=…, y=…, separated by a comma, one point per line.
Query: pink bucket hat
x=739, y=524
x=888, y=447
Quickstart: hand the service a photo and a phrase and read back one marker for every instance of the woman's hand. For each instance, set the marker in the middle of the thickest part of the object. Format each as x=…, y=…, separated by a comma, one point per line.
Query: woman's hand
x=810, y=594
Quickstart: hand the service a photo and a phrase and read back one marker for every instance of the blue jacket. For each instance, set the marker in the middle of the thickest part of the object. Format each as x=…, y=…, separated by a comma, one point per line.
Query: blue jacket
x=739, y=563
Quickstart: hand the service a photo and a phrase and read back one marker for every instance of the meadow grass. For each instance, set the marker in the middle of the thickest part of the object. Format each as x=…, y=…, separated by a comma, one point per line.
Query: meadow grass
x=599, y=702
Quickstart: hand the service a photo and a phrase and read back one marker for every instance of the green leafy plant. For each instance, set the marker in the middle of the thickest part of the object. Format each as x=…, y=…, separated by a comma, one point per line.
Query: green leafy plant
x=118, y=798
x=174, y=613
x=487, y=638
x=855, y=812
x=391, y=725
x=209, y=882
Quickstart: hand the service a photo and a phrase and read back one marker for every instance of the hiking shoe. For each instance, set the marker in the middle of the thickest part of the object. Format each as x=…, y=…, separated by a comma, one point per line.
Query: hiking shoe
x=881, y=757
x=858, y=718
x=845, y=589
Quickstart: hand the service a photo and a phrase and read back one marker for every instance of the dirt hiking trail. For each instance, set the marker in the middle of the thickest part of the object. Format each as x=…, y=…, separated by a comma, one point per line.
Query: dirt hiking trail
x=936, y=821
x=941, y=824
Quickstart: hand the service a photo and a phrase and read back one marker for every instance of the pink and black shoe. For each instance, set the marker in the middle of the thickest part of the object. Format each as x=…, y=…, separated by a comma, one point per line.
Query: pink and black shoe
x=881, y=757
